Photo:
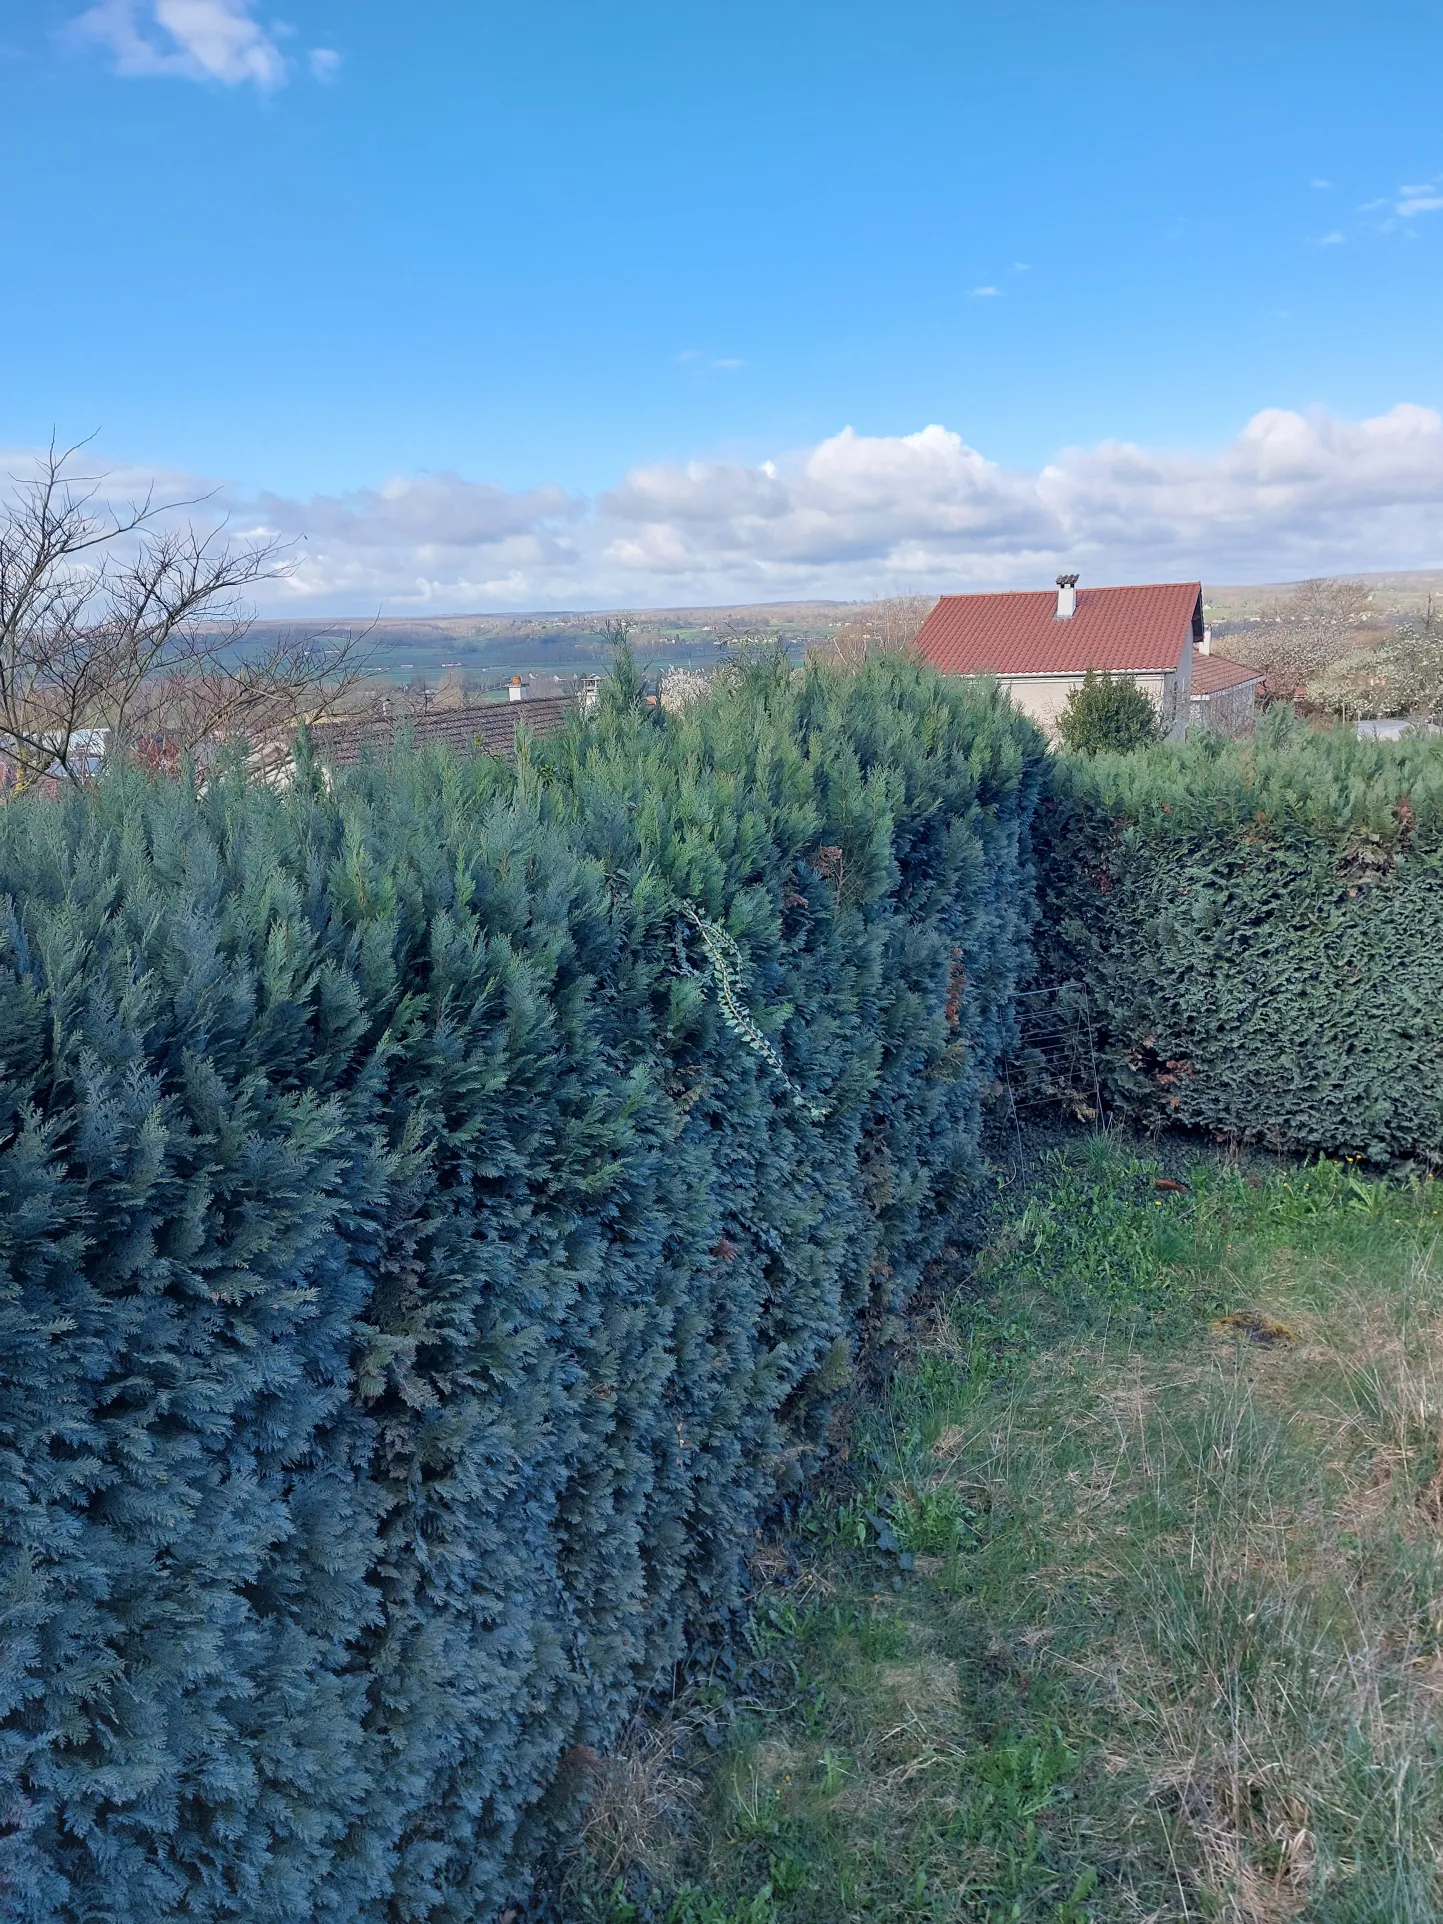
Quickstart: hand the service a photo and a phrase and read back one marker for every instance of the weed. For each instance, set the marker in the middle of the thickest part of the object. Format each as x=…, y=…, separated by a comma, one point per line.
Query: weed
x=934, y=1522
x=693, y=1906
x=880, y=1639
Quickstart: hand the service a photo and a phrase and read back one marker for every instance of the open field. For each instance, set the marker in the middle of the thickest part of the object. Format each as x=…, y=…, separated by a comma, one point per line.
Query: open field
x=1121, y=1610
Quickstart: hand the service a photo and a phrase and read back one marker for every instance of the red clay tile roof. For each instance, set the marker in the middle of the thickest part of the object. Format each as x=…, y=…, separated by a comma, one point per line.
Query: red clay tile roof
x=1125, y=630
x=1211, y=674
x=486, y=726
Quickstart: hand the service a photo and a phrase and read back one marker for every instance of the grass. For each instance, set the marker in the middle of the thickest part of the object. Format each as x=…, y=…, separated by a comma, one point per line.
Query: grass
x=1133, y=1608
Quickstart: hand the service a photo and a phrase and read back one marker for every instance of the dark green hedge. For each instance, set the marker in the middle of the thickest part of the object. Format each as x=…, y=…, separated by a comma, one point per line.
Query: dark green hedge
x=414, y=1282
x=1259, y=927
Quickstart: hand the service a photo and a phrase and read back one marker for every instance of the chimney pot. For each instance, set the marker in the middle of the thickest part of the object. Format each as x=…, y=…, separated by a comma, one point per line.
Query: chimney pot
x=516, y=691
x=1205, y=646
x=1066, y=597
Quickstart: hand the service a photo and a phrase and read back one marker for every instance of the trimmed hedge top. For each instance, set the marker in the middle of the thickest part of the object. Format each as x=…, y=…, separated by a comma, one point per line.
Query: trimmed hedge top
x=1284, y=782
x=1259, y=929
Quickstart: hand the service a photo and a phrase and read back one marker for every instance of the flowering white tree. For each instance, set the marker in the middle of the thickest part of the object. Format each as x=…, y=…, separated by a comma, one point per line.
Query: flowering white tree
x=1316, y=625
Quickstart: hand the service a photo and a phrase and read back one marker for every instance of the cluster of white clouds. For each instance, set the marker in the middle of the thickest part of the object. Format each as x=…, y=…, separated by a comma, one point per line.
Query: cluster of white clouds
x=207, y=40
x=430, y=541
x=1389, y=212
x=1424, y=197
x=1293, y=495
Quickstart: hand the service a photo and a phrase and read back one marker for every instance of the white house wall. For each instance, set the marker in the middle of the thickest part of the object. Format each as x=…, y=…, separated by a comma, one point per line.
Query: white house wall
x=1044, y=697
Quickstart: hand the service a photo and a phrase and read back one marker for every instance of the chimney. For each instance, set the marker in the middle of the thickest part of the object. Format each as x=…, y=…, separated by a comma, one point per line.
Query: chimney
x=1205, y=646
x=516, y=691
x=1066, y=597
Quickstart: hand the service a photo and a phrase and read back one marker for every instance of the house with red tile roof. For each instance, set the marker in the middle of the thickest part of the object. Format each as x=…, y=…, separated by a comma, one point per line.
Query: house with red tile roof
x=1040, y=645
x=1224, y=695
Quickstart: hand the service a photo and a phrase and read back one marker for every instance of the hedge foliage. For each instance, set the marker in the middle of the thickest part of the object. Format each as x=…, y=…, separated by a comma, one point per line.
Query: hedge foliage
x=421, y=1259
x=1259, y=929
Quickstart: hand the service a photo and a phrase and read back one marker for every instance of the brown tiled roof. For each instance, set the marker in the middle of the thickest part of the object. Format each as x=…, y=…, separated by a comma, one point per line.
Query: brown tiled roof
x=1123, y=630
x=1211, y=674
x=488, y=726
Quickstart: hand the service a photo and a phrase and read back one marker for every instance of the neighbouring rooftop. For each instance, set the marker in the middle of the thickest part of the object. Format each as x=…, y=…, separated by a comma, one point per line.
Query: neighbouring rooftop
x=1213, y=674
x=1114, y=630
x=489, y=727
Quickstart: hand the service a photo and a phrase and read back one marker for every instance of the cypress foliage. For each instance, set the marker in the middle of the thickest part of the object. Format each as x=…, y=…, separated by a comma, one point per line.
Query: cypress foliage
x=1259, y=927
x=418, y=1268
x=1108, y=714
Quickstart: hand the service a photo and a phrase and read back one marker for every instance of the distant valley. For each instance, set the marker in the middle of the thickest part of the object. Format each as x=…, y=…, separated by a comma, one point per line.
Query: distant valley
x=487, y=649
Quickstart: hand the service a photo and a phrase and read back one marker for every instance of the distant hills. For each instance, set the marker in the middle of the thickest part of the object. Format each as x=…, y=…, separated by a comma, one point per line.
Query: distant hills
x=487, y=649
x=1393, y=594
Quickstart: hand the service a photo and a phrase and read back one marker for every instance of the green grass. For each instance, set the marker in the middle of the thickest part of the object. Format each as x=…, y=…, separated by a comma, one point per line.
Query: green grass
x=1129, y=1613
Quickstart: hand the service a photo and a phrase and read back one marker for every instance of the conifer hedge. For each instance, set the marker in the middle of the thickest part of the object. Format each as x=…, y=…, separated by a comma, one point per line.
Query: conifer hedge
x=1258, y=928
x=435, y=1205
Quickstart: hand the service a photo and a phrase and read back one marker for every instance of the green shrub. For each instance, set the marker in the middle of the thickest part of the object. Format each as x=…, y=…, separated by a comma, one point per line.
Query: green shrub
x=1108, y=714
x=1258, y=930
x=432, y=1208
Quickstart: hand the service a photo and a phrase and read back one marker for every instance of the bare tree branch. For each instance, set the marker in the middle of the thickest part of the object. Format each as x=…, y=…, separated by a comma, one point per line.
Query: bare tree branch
x=124, y=620
x=888, y=625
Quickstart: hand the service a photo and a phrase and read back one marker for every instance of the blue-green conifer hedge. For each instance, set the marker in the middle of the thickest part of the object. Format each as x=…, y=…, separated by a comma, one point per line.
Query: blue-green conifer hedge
x=1258, y=928
x=429, y=1205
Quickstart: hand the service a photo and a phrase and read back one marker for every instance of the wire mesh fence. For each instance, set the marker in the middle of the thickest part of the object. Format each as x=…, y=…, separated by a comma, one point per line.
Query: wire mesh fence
x=1053, y=1071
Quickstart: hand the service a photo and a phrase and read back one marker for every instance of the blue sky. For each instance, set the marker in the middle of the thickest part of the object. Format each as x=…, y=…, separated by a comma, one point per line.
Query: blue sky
x=505, y=304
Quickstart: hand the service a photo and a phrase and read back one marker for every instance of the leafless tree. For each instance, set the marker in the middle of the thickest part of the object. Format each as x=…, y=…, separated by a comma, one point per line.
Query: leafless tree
x=1316, y=625
x=745, y=634
x=129, y=620
x=885, y=626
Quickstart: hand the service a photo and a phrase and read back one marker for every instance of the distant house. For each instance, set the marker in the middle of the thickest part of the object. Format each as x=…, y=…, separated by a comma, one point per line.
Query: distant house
x=1040, y=645
x=486, y=726
x=83, y=750
x=1224, y=694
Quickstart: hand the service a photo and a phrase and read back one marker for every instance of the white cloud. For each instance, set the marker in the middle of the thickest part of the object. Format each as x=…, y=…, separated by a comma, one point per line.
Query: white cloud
x=215, y=40
x=324, y=63
x=1419, y=197
x=985, y=293
x=1335, y=239
x=424, y=536
x=1293, y=495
